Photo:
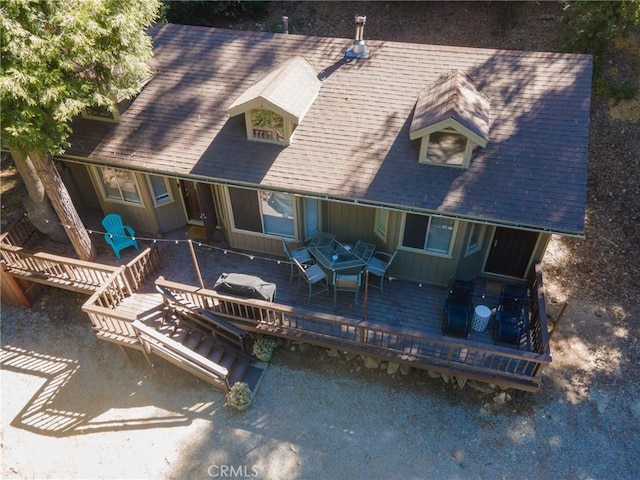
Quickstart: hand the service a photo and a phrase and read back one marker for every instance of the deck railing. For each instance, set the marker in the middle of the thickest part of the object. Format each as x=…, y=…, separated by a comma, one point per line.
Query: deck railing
x=55, y=270
x=494, y=364
x=101, y=307
x=18, y=233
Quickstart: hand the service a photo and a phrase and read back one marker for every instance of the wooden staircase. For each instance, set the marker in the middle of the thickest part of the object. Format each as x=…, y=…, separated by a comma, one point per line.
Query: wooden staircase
x=201, y=343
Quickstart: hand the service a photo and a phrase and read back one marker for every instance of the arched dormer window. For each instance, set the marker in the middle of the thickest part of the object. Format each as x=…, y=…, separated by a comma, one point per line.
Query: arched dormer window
x=451, y=118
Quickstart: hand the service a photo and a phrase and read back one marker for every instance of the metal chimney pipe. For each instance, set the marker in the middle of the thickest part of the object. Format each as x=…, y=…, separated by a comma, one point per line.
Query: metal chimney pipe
x=360, y=21
x=285, y=24
x=358, y=48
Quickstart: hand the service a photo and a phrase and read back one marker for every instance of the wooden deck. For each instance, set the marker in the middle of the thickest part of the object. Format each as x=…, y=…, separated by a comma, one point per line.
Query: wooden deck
x=403, y=325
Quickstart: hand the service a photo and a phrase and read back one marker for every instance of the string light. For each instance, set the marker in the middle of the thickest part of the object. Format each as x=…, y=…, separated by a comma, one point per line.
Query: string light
x=156, y=241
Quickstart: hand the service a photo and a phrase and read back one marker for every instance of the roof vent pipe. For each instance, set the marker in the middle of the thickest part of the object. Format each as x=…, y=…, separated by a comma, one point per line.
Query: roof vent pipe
x=358, y=48
x=285, y=24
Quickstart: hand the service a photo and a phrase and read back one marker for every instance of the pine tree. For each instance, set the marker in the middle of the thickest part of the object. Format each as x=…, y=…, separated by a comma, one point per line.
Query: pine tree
x=58, y=58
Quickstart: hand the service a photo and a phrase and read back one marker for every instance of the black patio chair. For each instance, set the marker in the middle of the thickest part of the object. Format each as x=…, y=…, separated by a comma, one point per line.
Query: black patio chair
x=458, y=309
x=511, y=321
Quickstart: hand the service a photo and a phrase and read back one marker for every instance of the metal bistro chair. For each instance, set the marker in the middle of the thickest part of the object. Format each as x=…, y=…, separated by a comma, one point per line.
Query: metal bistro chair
x=313, y=275
x=119, y=236
x=364, y=250
x=297, y=251
x=379, y=265
x=346, y=282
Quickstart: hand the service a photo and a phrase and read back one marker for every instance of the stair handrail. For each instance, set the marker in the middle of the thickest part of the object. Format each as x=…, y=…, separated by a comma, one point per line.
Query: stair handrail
x=195, y=360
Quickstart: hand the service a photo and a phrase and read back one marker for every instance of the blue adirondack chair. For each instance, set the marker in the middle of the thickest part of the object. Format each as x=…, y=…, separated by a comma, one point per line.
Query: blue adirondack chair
x=119, y=236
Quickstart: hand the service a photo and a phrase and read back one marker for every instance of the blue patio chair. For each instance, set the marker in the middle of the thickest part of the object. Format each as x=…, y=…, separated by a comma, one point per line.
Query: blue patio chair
x=119, y=236
x=458, y=309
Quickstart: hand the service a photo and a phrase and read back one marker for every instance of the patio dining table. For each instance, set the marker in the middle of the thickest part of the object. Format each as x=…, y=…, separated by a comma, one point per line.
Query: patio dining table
x=337, y=257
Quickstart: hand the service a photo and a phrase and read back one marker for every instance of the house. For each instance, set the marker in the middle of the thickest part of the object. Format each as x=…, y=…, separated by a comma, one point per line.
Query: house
x=463, y=160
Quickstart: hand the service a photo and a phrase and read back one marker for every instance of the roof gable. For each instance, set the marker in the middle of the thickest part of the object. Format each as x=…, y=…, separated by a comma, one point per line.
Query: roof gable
x=452, y=101
x=288, y=89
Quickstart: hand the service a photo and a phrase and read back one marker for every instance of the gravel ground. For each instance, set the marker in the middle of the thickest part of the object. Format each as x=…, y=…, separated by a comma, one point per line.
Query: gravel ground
x=72, y=408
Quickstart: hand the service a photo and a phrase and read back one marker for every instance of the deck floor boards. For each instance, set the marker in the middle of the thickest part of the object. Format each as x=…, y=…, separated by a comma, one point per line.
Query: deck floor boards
x=408, y=307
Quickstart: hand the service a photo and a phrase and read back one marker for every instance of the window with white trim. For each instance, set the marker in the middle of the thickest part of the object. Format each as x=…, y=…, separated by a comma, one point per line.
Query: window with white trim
x=446, y=148
x=431, y=234
x=267, y=126
x=475, y=238
x=160, y=189
x=119, y=185
x=381, y=223
x=261, y=211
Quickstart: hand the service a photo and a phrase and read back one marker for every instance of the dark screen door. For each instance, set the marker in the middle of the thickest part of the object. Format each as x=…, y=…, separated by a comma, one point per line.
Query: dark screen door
x=510, y=252
x=191, y=201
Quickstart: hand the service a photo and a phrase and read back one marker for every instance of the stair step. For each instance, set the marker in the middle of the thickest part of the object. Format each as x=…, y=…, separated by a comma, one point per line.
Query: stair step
x=192, y=340
x=205, y=347
x=179, y=335
x=228, y=358
x=217, y=353
x=238, y=369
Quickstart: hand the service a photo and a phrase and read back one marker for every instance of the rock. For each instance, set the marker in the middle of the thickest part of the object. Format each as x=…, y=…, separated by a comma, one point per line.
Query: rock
x=371, y=362
x=461, y=382
x=350, y=356
x=500, y=398
x=332, y=353
x=405, y=369
x=383, y=365
x=304, y=347
x=433, y=374
x=392, y=368
x=481, y=387
x=445, y=377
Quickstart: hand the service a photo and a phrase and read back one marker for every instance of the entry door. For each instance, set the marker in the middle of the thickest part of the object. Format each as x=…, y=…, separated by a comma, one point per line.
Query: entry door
x=511, y=252
x=191, y=202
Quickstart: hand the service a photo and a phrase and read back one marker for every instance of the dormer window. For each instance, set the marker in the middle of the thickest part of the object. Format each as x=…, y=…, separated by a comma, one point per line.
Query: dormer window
x=267, y=126
x=276, y=104
x=106, y=114
x=451, y=118
x=446, y=147
x=118, y=107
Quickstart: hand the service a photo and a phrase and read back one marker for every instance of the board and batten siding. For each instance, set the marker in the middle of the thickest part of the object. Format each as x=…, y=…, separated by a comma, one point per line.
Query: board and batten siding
x=171, y=215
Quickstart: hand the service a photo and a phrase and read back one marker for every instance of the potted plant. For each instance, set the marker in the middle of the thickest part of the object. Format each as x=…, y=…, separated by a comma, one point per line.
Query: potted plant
x=263, y=348
x=239, y=396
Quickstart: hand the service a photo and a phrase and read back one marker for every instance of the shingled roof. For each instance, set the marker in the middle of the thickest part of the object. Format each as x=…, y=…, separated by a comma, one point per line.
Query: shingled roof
x=289, y=89
x=453, y=96
x=354, y=143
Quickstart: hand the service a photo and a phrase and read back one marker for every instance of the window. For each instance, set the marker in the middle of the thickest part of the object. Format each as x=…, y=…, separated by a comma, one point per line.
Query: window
x=311, y=217
x=262, y=212
x=475, y=238
x=267, y=125
x=380, y=226
x=431, y=234
x=160, y=189
x=119, y=185
x=446, y=148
